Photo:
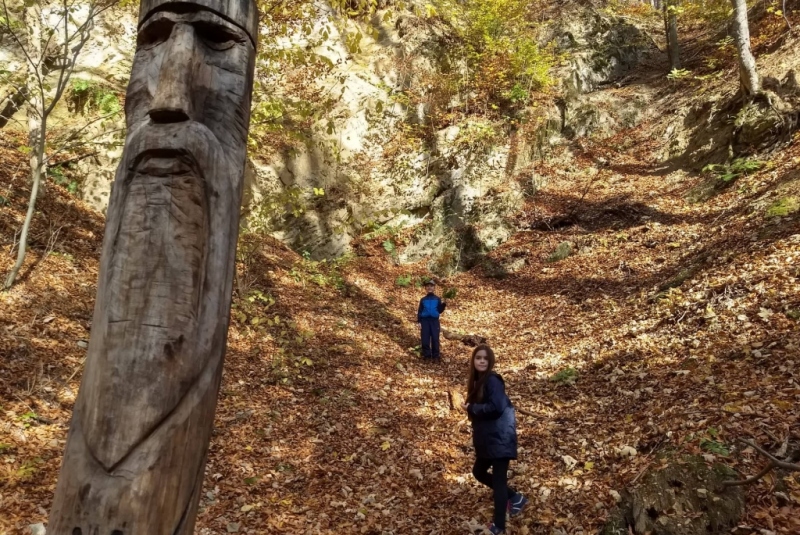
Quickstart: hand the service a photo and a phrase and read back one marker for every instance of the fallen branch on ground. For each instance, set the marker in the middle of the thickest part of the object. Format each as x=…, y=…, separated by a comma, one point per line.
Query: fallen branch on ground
x=774, y=462
x=470, y=340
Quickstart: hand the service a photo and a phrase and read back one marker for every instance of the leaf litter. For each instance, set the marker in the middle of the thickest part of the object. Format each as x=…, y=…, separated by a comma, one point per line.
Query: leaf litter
x=679, y=321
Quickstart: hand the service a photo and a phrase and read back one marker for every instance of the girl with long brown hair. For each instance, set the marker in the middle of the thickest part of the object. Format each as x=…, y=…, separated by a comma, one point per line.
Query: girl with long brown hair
x=494, y=434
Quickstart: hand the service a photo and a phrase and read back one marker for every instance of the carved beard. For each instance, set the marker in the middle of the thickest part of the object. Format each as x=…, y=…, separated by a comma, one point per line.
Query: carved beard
x=154, y=339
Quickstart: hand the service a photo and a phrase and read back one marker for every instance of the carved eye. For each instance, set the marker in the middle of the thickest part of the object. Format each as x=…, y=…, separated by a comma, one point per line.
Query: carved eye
x=154, y=33
x=216, y=37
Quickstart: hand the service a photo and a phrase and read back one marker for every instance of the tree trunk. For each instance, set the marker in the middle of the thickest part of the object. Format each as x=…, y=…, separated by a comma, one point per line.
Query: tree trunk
x=37, y=125
x=139, y=435
x=37, y=171
x=748, y=75
x=671, y=30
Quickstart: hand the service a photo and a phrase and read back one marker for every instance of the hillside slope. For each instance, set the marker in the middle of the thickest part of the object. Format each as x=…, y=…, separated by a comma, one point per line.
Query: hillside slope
x=679, y=321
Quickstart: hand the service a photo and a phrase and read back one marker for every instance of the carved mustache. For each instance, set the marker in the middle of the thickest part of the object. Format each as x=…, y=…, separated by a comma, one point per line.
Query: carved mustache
x=192, y=143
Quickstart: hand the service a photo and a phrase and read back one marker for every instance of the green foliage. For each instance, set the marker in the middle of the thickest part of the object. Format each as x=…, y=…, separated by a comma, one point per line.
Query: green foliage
x=566, y=376
x=713, y=13
x=403, y=281
x=324, y=273
x=257, y=296
x=274, y=207
x=506, y=64
x=679, y=74
x=775, y=11
x=390, y=247
x=28, y=419
x=28, y=469
x=731, y=171
x=287, y=102
x=627, y=8
x=450, y=293
x=56, y=173
x=87, y=96
x=563, y=250
x=711, y=444
x=518, y=94
x=783, y=207
x=375, y=230
x=477, y=133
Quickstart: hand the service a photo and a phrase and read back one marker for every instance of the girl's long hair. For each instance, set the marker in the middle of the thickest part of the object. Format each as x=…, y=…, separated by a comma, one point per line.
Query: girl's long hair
x=477, y=379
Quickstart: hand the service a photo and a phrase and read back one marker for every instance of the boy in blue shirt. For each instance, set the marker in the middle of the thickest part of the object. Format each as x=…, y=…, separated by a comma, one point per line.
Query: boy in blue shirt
x=428, y=312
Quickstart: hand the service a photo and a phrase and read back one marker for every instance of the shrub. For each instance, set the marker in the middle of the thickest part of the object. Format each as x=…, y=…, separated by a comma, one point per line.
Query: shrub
x=731, y=171
x=566, y=376
x=92, y=97
x=783, y=207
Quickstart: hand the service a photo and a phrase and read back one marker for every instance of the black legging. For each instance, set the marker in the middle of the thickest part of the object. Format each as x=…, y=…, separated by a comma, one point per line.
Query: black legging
x=498, y=482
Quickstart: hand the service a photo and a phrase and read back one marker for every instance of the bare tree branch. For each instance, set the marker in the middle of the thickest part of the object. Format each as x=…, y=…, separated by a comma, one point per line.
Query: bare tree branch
x=19, y=41
x=777, y=462
x=75, y=134
x=735, y=483
x=774, y=462
x=64, y=62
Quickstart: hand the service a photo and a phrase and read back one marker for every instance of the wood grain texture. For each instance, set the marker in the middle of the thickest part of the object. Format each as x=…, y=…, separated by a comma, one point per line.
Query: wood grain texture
x=139, y=435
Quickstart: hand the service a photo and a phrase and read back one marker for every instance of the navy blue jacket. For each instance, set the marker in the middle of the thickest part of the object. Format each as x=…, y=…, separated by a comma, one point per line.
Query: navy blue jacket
x=430, y=306
x=494, y=422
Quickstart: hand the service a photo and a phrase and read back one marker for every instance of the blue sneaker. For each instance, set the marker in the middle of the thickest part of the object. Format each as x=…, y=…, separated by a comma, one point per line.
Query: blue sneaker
x=494, y=530
x=517, y=504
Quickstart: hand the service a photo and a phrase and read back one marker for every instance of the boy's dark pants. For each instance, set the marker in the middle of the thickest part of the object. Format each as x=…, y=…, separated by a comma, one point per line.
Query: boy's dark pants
x=498, y=482
x=430, y=337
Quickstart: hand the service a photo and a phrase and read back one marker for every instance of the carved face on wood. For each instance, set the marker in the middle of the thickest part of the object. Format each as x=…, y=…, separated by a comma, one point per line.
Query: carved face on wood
x=164, y=291
x=192, y=65
x=137, y=445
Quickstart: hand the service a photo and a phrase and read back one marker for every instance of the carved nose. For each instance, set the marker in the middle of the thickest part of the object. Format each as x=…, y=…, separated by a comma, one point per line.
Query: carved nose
x=172, y=101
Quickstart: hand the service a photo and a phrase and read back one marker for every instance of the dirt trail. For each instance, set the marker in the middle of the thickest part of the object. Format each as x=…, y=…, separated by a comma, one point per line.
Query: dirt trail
x=360, y=435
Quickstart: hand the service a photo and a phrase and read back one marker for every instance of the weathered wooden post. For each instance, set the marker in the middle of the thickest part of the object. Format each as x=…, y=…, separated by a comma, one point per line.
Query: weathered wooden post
x=139, y=435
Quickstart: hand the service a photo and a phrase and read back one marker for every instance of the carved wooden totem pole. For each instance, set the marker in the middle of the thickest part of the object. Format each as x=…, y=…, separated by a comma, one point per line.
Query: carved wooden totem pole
x=139, y=435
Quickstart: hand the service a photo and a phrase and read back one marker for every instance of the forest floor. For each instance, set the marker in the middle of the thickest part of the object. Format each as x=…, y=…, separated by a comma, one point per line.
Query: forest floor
x=673, y=326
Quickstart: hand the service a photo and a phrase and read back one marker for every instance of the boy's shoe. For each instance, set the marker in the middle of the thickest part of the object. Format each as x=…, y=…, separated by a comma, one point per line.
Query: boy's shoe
x=516, y=505
x=494, y=530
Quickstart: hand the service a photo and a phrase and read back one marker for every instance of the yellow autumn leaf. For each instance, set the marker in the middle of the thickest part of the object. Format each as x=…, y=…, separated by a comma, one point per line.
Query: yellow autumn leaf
x=783, y=405
x=731, y=407
x=385, y=446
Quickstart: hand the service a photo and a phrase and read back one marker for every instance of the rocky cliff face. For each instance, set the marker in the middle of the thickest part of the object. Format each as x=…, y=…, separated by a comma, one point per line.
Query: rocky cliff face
x=457, y=190
x=451, y=191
